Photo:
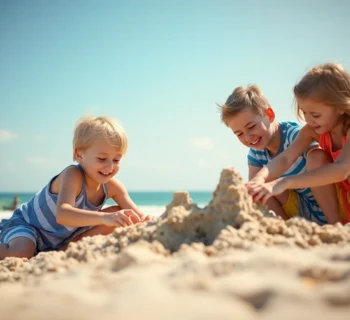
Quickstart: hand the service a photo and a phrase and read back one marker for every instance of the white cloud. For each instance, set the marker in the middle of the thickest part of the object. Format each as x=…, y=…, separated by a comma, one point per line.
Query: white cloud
x=6, y=135
x=202, y=143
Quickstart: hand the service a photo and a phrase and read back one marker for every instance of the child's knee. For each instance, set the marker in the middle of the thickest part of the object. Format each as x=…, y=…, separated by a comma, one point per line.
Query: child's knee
x=283, y=197
x=21, y=253
x=317, y=158
x=21, y=248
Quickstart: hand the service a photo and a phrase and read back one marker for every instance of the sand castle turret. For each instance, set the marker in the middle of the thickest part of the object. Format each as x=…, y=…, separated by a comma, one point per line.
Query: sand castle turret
x=187, y=223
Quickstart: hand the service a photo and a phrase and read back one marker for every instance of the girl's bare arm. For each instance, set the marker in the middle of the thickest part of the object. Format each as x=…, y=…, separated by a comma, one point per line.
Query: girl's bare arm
x=275, y=168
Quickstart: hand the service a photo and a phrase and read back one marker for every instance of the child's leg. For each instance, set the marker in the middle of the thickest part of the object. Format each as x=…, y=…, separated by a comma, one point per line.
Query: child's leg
x=343, y=208
x=326, y=196
x=289, y=201
x=20, y=247
x=276, y=204
x=286, y=204
x=17, y=239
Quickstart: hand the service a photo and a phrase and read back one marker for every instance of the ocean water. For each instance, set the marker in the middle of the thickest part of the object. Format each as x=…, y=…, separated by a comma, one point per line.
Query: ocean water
x=149, y=202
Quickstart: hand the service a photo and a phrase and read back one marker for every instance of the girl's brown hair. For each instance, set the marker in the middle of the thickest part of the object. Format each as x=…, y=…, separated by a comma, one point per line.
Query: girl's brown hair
x=329, y=84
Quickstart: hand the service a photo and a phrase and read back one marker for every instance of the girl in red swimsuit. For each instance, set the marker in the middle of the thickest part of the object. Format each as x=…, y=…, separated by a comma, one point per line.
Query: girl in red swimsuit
x=323, y=101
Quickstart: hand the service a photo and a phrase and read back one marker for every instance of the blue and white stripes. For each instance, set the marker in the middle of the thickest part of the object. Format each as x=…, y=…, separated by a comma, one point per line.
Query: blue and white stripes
x=36, y=219
x=256, y=158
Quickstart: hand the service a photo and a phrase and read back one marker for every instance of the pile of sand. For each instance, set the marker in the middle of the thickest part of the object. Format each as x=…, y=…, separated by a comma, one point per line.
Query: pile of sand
x=229, y=260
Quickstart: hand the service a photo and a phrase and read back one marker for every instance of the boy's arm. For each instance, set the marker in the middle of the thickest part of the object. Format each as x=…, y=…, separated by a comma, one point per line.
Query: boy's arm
x=120, y=195
x=272, y=203
x=252, y=171
x=67, y=215
x=284, y=160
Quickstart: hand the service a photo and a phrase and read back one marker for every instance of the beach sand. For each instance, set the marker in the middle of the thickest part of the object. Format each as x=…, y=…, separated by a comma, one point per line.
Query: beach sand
x=229, y=260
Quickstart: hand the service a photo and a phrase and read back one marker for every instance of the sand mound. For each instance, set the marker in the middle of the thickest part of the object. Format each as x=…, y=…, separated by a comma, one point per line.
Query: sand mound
x=194, y=249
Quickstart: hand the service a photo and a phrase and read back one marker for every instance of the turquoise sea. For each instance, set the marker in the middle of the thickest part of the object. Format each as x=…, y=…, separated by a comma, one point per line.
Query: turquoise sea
x=150, y=202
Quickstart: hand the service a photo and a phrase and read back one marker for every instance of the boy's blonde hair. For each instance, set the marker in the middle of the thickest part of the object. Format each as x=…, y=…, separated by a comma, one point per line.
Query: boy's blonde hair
x=250, y=97
x=88, y=128
x=329, y=84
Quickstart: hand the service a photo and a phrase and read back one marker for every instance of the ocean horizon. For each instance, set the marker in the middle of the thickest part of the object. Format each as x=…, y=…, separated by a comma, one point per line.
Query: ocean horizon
x=149, y=202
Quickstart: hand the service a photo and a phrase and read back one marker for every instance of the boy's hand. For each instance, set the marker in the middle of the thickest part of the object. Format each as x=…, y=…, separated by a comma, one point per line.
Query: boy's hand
x=149, y=218
x=141, y=217
x=262, y=192
x=121, y=218
x=256, y=180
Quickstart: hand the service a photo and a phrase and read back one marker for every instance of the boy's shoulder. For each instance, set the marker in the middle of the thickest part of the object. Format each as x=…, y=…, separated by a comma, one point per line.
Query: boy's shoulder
x=260, y=155
x=285, y=125
x=289, y=130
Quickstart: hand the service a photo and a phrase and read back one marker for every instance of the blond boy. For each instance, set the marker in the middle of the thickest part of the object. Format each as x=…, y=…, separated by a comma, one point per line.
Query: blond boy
x=70, y=205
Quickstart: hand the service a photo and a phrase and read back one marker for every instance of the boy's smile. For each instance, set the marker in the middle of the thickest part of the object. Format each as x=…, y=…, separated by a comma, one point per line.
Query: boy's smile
x=101, y=161
x=253, y=130
x=255, y=141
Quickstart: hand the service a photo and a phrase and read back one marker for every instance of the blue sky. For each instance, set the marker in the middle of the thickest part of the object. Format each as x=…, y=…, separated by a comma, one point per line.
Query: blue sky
x=160, y=67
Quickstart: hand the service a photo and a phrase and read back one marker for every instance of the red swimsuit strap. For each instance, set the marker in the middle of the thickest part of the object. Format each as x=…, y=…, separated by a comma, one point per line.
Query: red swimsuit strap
x=326, y=144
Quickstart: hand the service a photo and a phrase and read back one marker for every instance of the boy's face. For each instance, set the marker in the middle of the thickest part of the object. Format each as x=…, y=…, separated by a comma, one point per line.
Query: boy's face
x=100, y=161
x=252, y=129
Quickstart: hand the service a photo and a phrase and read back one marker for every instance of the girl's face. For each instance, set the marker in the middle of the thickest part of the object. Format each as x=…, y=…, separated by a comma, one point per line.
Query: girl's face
x=100, y=161
x=320, y=117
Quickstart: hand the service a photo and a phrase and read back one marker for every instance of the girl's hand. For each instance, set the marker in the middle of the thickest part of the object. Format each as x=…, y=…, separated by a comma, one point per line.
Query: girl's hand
x=121, y=218
x=256, y=180
x=262, y=192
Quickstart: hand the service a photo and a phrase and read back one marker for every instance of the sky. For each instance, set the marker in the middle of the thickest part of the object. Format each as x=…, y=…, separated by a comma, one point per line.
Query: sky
x=159, y=67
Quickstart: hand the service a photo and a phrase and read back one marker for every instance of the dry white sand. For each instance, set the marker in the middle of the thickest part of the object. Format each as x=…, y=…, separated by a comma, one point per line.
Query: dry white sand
x=229, y=260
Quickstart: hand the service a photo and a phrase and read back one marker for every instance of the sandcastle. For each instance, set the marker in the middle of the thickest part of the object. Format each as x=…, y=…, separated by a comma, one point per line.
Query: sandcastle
x=229, y=260
x=230, y=221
